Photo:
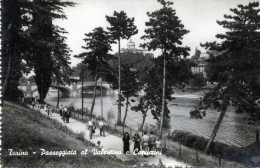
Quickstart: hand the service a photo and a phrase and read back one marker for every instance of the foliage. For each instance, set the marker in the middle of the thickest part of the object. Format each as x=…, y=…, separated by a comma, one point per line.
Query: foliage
x=110, y=115
x=96, y=57
x=165, y=31
x=13, y=46
x=49, y=54
x=138, y=60
x=198, y=81
x=217, y=149
x=77, y=72
x=97, y=45
x=236, y=66
x=121, y=27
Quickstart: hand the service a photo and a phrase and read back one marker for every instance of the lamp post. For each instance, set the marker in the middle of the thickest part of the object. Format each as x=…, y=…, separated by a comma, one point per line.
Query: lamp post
x=82, y=77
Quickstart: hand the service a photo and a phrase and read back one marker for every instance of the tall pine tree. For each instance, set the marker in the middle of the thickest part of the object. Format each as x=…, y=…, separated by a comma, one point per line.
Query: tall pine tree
x=49, y=51
x=97, y=45
x=165, y=31
x=236, y=66
x=122, y=27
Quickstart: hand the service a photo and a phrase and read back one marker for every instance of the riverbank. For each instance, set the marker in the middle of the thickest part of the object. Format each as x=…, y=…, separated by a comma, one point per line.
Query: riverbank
x=233, y=130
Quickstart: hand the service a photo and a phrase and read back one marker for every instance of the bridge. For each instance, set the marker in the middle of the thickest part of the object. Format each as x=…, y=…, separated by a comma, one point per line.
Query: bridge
x=74, y=89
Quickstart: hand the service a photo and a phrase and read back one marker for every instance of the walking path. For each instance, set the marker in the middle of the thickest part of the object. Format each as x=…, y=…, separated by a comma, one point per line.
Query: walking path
x=111, y=142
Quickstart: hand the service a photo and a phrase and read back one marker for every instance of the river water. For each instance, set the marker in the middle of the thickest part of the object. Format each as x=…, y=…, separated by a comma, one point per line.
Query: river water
x=233, y=130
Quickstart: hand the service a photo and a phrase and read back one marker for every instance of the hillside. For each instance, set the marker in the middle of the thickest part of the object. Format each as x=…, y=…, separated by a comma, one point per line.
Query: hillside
x=27, y=130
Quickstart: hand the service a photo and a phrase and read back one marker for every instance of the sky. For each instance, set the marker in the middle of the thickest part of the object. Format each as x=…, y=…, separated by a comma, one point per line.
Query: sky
x=197, y=16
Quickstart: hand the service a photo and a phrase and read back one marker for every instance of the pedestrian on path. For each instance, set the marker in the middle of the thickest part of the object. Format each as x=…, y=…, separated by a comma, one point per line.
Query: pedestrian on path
x=67, y=114
x=61, y=109
x=126, y=140
x=152, y=142
x=158, y=144
x=90, y=127
x=137, y=141
x=64, y=111
x=101, y=127
x=145, y=142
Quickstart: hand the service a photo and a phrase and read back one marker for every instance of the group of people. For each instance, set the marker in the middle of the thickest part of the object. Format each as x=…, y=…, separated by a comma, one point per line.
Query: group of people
x=64, y=113
x=147, y=142
x=34, y=102
x=91, y=126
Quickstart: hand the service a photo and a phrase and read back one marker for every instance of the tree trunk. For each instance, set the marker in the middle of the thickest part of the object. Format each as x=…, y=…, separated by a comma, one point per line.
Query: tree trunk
x=163, y=96
x=212, y=137
x=7, y=75
x=95, y=90
x=126, y=109
x=119, y=122
x=144, y=117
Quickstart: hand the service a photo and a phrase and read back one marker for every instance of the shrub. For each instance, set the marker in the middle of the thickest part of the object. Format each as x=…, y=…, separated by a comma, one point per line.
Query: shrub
x=81, y=136
x=110, y=115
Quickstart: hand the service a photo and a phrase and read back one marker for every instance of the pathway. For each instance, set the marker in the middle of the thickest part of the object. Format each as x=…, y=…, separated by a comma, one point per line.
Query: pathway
x=111, y=142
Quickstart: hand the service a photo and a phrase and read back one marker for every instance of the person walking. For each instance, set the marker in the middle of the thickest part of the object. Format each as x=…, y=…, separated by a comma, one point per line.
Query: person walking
x=126, y=140
x=101, y=127
x=137, y=139
x=67, y=114
x=61, y=110
x=64, y=111
x=145, y=142
x=90, y=128
x=158, y=144
x=152, y=142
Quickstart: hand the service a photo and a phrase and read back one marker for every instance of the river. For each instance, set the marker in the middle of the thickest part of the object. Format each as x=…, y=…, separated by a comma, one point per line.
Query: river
x=233, y=130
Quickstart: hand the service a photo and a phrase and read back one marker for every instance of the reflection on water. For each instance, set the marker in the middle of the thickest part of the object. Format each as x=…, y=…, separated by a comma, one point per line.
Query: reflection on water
x=233, y=129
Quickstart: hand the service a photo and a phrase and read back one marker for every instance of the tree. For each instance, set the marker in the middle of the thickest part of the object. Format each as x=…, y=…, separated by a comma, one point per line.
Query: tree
x=138, y=60
x=198, y=81
x=14, y=46
x=151, y=100
x=122, y=27
x=130, y=86
x=98, y=45
x=236, y=67
x=165, y=31
x=49, y=54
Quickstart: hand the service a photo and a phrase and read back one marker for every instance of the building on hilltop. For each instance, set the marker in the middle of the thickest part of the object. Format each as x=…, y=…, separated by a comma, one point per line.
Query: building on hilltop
x=200, y=62
x=131, y=48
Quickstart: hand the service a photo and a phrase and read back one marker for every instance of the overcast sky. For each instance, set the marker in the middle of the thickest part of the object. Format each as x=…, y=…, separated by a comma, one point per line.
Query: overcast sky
x=198, y=16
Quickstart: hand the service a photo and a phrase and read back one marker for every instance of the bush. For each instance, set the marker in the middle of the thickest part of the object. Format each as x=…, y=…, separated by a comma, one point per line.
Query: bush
x=217, y=149
x=110, y=115
x=166, y=123
x=81, y=136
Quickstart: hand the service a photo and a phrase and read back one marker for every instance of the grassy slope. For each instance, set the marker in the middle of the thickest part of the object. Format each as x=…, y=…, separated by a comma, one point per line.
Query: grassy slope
x=29, y=130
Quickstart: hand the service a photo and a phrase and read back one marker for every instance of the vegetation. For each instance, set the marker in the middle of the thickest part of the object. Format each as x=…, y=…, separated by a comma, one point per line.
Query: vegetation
x=28, y=130
x=198, y=81
x=165, y=32
x=122, y=27
x=217, y=149
x=29, y=35
x=96, y=57
x=236, y=66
